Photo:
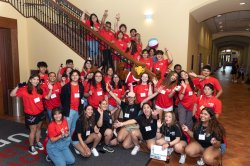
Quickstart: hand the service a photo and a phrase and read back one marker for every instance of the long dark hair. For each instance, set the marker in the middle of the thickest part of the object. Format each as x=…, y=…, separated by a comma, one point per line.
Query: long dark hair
x=132, y=48
x=30, y=86
x=214, y=126
x=103, y=84
x=56, y=110
x=119, y=84
x=167, y=80
x=146, y=121
x=90, y=19
x=189, y=80
x=87, y=122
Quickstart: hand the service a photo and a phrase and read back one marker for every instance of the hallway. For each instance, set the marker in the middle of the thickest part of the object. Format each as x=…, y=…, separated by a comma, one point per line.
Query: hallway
x=235, y=118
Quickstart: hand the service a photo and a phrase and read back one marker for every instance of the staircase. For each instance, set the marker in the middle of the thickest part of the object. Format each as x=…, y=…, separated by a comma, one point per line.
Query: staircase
x=62, y=19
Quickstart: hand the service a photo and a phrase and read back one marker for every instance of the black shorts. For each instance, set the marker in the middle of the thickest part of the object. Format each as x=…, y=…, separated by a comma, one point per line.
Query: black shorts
x=34, y=119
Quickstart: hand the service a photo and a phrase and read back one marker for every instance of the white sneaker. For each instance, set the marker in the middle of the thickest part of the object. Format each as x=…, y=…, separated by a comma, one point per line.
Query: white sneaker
x=182, y=159
x=135, y=150
x=170, y=151
x=77, y=152
x=200, y=162
x=94, y=152
x=32, y=150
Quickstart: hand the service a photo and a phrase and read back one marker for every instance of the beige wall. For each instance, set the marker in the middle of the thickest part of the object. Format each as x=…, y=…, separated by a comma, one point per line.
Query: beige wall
x=199, y=42
x=8, y=11
x=43, y=46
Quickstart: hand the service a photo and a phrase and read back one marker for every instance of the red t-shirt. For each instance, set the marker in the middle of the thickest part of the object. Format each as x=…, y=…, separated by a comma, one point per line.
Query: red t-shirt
x=212, y=81
x=107, y=79
x=189, y=98
x=96, y=25
x=121, y=45
x=62, y=70
x=54, y=129
x=54, y=100
x=162, y=100
x=97, y=95
x=148, y=62
x=139, y=47
x=162, y=66
x=210, y=102
x=119, y=93
x=32, y=103
x=141, y=92
x=74, y=97
x=44, y=77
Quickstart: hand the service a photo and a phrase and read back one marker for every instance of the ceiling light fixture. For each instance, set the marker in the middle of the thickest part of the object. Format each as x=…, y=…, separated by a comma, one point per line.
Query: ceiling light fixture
x=242, y=3
x=221, y=26
x=221, y=30
x=247, y=29
x=221, y=22
x=218, y=15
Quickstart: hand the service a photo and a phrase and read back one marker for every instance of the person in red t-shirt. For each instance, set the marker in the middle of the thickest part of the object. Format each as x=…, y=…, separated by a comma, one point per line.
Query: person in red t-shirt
x=61, y=71
x=52, y=91
x=143, y=90
x=121, y=45
x=32, y=96
x=162, y=64
x=138, y=42
x=122, y=28
x=93, y=45
x=43, y=71
x=110, y=36
x=145, y=59
x=187, y=99
x=66, y=76
x=207, y=100
x=118, y=89
x=164, y=100
x=109, y=75
x=97, y=90
x=59, y=140
x=133, y=33
x=206, y=78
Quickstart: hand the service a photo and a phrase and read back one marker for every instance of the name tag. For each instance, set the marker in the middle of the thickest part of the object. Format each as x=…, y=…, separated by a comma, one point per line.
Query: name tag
x=53, y=96
x=126, y=115
x=36, y=100
x=163, y=92
x=157, y=68
x=190, y=93
x=201, y=136
x=148, y=128
x=110, y=121
x=99, y=93
x=167, y=139
x=87, y=133
x=116, y=94
x=77, y=95
x=143, y=94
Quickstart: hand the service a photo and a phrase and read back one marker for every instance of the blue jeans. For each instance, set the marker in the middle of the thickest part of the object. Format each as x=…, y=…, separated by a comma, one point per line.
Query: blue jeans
x=49, y=112
x=60, y=153
x=93, y=48
x=73, y=116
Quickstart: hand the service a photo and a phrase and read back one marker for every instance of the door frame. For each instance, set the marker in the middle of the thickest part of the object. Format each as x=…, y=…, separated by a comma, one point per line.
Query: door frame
x=11, y=24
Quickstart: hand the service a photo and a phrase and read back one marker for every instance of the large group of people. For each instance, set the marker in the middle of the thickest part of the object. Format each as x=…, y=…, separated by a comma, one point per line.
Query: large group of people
x=178, y=111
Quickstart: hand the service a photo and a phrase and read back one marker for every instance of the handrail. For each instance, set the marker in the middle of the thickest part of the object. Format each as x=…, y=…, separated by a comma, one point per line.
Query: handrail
x=69, y=29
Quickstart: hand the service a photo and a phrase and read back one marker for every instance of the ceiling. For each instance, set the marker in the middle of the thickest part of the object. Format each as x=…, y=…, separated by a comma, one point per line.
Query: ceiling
x=225, y=16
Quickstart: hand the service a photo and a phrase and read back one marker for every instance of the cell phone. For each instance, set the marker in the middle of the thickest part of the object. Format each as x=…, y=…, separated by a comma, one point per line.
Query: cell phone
x=21, y=84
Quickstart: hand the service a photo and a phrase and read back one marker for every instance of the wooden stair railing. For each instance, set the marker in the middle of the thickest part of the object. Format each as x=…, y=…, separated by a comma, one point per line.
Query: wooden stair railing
x=69, y=29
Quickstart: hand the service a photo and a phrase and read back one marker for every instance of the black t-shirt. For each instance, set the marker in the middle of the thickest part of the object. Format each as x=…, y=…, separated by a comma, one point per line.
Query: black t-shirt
x=130, y=111
x=202, y=138
x=172, y=132
x=107, y=119
x=80, y=130
x=148, y=127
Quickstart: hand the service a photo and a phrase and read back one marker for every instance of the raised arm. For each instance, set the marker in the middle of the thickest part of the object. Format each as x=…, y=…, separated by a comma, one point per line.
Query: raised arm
x=105, y=15
x=117, y=19
x=169, y=56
